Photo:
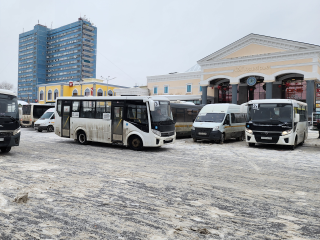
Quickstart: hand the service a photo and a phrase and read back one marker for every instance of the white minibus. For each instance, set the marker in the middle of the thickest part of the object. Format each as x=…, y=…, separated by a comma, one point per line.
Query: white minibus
x=277, y=121
x=46, y=121
x=136, y=122
x=219, y=122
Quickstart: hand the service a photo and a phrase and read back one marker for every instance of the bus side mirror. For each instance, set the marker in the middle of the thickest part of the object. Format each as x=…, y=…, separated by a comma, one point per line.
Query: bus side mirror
x=296, y=117
x=151, y=105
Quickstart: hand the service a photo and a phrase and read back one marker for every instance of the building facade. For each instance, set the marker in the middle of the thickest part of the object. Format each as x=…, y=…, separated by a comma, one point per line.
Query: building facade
x=48, y=93
x=254, y=67
x=58, y=55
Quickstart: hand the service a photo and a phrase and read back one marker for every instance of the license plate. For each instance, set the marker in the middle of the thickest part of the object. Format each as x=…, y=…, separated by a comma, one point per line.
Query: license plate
x=1, y=139
x=266, y=138
x=202, y=133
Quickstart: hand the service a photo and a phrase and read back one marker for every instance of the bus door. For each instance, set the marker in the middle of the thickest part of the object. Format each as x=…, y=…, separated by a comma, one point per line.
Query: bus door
x=65, y=123
x=117, y=120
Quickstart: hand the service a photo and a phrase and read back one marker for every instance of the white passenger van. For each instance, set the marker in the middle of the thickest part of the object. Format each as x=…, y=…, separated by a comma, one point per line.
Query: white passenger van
x=46, y=121
x=277, y=121
x=32, y=112
x=130, y=121
x=219, y=122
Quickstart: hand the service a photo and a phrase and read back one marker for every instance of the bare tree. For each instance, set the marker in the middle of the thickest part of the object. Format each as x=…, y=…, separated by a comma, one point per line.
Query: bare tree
x=6, y=85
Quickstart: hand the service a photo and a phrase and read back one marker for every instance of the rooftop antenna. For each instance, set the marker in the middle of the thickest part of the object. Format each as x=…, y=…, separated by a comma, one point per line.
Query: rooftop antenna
x=38, y=21
x=51, y=25
x=23, y=30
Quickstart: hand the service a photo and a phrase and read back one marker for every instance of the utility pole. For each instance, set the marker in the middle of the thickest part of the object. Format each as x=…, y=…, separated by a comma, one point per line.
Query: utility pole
x=107, y=79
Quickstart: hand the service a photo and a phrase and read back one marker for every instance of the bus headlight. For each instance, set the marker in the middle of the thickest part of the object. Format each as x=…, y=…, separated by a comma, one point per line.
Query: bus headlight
x=215, y=128
x=156, y=132
x=249, y=131
x=16, y=131
x=284, y=133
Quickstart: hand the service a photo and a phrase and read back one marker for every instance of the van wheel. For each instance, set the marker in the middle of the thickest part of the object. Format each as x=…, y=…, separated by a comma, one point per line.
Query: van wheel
x=222, y=139
x=251, y=144
x=39, y=130
x=194, y=140
x=294, y=145
x=50, y=128
x=5, y=149
x=135, y=143
x=241, y=138
x=82, y=138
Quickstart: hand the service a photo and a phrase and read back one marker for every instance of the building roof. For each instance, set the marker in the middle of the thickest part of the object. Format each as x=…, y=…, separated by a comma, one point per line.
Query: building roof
x=194, y=68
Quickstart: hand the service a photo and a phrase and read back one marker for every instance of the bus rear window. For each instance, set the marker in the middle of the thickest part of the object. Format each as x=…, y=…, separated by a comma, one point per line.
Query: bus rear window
x=26, y=109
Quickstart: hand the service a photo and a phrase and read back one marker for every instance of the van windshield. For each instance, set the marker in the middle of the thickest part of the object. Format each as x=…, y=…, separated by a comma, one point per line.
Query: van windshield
x=46, y=115
x=210, y=117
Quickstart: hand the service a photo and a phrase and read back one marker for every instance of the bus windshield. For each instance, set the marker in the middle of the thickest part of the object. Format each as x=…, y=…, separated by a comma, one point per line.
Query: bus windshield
x=162, y=112
x=210, y=117
x=9, y=107
x=271, y=113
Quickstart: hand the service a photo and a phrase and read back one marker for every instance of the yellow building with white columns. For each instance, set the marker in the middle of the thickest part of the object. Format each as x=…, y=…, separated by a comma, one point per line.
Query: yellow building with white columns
x=88, y=87
x=253, y=67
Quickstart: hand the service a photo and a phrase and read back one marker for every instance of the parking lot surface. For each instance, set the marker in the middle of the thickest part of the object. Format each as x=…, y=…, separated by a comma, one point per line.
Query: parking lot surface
x=184, y=190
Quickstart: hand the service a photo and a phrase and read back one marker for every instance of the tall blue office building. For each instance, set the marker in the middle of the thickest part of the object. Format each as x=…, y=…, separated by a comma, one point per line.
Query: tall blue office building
x=63, y=54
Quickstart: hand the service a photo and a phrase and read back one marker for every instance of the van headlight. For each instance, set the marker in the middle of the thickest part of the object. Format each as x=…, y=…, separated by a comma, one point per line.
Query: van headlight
x=249, y=131
x=156, y=132
x=16, y=131
x=215, y=128
x=284, y=133
x=193, y=128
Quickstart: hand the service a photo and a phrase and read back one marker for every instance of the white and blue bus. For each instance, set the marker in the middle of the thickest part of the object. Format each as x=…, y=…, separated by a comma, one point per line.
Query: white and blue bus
x=9, y=121
x=277, y=121
x=136, y=122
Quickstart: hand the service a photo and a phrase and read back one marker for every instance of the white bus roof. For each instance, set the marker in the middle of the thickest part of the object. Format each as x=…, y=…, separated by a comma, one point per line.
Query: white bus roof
x=291, y=101
x=8, y=92
x=145, y=98
x=220, y=107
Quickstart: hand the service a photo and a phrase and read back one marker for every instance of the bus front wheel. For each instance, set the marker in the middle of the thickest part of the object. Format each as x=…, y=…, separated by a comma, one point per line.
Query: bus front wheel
x=5, y=149
x=82, y=138
x=135, y=143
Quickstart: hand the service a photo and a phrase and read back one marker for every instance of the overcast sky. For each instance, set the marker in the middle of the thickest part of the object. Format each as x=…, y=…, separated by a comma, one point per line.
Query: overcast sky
x=139, y=38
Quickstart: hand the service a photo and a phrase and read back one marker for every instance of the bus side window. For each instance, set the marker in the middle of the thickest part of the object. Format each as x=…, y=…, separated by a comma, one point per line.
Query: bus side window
x=75, y=106
x=88, y=109
x=59, y=107
x=180, y=114
x=102, y=107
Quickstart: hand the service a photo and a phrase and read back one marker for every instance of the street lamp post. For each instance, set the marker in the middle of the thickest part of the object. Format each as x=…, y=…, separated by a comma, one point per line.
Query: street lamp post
x=108, y=79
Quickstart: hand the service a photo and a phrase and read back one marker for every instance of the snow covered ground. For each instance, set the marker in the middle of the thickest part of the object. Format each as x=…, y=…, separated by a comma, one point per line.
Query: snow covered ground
x=184, y=190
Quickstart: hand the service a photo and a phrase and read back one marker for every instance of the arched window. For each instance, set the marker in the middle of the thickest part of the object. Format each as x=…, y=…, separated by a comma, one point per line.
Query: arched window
x=110, y=93
x=41, y=96
x=56, y=94
x=99, y=92
x=75, y=92
x=49, y=95
x=87, y=92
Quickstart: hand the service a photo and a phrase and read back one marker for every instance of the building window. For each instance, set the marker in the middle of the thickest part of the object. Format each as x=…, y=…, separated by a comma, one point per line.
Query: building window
x=110, y=93
x=49, y=95
x=87, y=92
x=155, y=90
x=166, y=89
x=189, y=88
x=41, y=95
x=75, y=92
x=200, y=89
x=56, y=94
x=99, y=92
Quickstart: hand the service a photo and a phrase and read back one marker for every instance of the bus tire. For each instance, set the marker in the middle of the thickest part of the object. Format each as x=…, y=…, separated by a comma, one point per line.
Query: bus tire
x=292, y=147
x=135, y=143
x=50, y=128
x=241, y=137
x=82, y=138
x=5, y=149
x=251, y=144
x=39, y=130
